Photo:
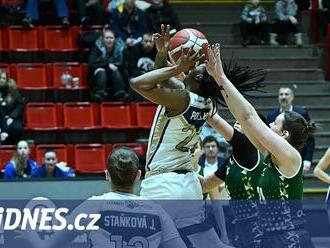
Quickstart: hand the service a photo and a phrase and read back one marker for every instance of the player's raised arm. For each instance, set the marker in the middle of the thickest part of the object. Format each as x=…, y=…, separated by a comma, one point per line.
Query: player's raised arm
x=321, y=167
x=149, y=85
x=286, y=156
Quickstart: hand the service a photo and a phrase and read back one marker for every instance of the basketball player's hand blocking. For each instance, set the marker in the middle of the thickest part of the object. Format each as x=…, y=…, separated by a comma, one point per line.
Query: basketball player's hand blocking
x=214, y=63
x=162, y=40
x=187, y=61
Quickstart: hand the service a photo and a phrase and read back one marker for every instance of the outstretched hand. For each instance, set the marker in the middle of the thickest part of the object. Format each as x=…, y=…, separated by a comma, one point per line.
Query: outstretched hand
x=188, y=61
x=214, y=63
x=162, y=40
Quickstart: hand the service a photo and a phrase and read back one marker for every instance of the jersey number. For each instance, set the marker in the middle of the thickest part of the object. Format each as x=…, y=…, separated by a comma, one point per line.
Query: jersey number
x=137, y=241
x=182, y=145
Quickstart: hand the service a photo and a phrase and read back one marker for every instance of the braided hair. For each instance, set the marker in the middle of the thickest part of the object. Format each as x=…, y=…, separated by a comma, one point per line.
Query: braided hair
x=244, y=78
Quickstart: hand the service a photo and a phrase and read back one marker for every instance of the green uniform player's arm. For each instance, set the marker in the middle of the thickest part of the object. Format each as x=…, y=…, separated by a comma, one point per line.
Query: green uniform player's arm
x=285, y=156
x=322, y=165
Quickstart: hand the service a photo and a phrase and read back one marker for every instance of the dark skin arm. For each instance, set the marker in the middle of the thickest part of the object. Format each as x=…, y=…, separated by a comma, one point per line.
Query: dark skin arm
x=151, y=85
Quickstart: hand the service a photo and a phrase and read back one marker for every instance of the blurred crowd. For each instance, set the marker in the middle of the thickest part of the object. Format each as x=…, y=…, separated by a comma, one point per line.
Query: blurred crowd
x=257, y=27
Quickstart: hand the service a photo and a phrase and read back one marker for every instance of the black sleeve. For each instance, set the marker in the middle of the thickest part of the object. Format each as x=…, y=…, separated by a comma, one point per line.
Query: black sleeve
x=244, y=151
x=222, y=171
x=18, y=109
x=95, y=61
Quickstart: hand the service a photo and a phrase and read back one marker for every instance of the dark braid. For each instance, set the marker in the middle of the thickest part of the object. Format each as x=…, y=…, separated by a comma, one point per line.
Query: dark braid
x=243, y=78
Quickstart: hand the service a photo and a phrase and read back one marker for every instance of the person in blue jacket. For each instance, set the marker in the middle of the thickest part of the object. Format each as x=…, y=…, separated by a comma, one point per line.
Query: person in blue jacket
x=285, y=99
x=20, y=166
x=51, y=167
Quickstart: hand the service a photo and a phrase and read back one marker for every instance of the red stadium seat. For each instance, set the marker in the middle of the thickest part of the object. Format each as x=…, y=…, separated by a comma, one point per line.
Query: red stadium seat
x=6, y=153
x=58, y=38
x=108, y=150
x=90, y=158
x=11, y=2
x=31, y=76
x=1, y=42
x=42, y=116
x=5, y=67
x=22, y=39
x=115, y=115
x=137, y=147
x=84, y=74
x=80, y=115
x=73, y=68
x=145, y=112
x=61, y=152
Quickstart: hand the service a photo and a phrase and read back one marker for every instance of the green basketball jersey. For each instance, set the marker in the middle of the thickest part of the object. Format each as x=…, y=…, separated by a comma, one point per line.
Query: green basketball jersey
x=281, y=208
x=241, y=183
x=274, y=186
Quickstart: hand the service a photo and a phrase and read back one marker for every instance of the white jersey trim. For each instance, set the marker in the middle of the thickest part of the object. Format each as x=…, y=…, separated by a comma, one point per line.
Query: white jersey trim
x=253, y=168
x=295, y=174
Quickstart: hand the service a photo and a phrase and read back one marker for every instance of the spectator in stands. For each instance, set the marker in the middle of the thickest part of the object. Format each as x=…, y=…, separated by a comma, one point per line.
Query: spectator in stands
x=91, y=11
x=11, y=110
x=141, y=57
x=223, y=145
x=51, y=167
x=285, y=98
x=324, y=16
x=161, y=12
x=254, y=24
x=286, y=21
x=209, y=162
x=128, y=23
x=32, y=12
x=107, y=64
x=20, y=166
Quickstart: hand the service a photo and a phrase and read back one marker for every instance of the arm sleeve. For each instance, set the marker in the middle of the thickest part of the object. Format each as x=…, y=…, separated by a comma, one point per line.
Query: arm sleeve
x=18, y=110
x=94, y=62
x=222, y=171
x=244, y=151
x=9, y=172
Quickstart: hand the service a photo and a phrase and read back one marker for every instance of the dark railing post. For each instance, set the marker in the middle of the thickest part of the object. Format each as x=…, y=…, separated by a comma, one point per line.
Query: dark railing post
x=328, y=54
x=314, y=22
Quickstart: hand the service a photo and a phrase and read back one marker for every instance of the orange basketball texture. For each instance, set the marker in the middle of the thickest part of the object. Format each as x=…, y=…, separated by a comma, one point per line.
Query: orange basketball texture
x=188, y=38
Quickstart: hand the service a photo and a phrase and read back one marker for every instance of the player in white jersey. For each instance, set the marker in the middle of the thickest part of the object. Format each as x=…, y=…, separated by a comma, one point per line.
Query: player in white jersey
x=184, y=106
x=126, y=220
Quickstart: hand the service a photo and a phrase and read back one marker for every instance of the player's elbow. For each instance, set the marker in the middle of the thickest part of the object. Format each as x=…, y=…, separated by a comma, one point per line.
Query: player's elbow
x=134, y=83
x=316, y=172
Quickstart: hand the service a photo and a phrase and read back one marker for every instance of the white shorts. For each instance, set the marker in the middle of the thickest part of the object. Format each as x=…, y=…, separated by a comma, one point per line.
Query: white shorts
x=183, y=193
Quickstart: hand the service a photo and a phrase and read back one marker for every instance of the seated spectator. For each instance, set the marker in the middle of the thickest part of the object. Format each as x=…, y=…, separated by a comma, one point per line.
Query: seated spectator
x=32, y=12
x=51, y=167
x=128, y=23
x=106, y=65
x=141, y=57
x=11, y=110
x=286, y=21
x=324, y=16
x=285, y=100
x=254, y=24
x=20, y=166
x=161, y=12
x=91, y=12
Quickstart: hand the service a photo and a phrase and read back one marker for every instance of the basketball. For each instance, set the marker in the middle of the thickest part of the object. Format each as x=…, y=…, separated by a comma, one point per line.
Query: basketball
x=188, y=38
